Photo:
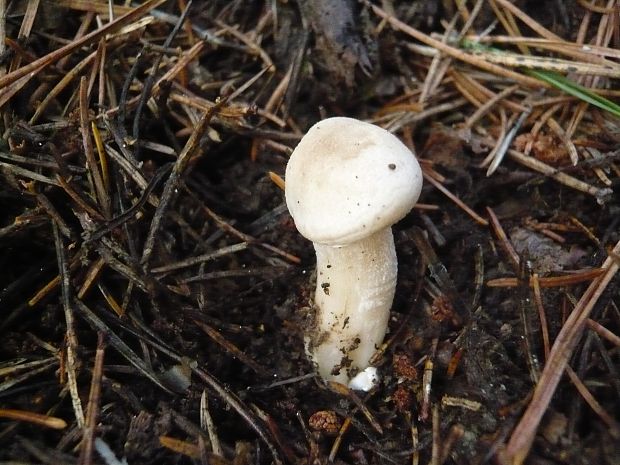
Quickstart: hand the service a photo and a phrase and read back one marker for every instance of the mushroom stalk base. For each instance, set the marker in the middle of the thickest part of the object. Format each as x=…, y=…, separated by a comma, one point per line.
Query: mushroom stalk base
x=354, y=292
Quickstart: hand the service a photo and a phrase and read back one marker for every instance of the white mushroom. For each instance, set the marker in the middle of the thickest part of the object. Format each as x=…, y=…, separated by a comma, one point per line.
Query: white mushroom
x=347, y=182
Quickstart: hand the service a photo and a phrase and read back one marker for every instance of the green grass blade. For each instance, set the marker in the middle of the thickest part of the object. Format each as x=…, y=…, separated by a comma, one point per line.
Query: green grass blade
x=572, y=88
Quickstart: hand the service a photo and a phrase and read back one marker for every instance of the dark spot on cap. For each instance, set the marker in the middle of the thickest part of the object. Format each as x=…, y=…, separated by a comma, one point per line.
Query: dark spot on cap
x=392, y=166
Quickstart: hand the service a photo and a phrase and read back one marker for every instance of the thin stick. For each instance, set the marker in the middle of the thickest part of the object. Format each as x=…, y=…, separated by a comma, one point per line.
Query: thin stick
x=544, y=327
x=570, y=147
x=601, y=194
x=452, y=51
x=93, y=166
x=192, y=145
x=34, y=418
x=523, y=435
x=551, y=281
x=230, y=249
x=92, y=410
x=72, y=342
x=482, y=110
x=206, y=422
x=506, y=142
x=37, y=65
x=436, y=446
x=603, y=332
x=2, y=30
x=537, y=27
x=614, y=426
x=456, y=200
x=25, y=29
x=503, y=239
x=150, y=80
x=58, y=88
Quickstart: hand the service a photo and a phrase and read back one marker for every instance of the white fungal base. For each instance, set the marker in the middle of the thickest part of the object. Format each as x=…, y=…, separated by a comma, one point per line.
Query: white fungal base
x=365, y=380
x=354, y=292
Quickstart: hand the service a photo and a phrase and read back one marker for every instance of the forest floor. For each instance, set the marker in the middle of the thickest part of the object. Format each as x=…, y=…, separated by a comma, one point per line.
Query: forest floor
x=153, y=286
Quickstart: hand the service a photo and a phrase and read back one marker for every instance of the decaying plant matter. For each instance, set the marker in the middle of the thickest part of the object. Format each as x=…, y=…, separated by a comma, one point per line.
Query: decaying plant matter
x=154, y=289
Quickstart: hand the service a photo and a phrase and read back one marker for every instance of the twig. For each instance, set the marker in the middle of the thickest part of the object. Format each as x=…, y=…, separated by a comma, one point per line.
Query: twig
x=504, y=242
x=484, y=108
x=29, y=174
x=130, y=212
x=410, y=118
x=33, y=371
x=614, y=426
x=537, y=27
x=525, y=311
x=92, y=409
x=24, y=30
x=174, y=179
x=117, y=343
x=91, y=275
x=438, y=67
x=436, y=428
x=601, y=194
x=427, y=382
x=455, y=433
x=563, y=47
x=523, y=435
x=32, y=68
x=231, y=348
x=93, y=167
x=454, y=52
x=506, y=142
x=415, y=456
x=201, y=258
x=570, y=147
x=338, y=441
x=34, y=418
x=72, y=343
x=150, y=80
x=206, y=423
x=2, y=30
x=236, y=403
x=544, y=327
x=254, y=47
x=359, y=403
x=551, y=281
x=246, y=237
x=456, y=200
x=603, y=332
x=58, y=88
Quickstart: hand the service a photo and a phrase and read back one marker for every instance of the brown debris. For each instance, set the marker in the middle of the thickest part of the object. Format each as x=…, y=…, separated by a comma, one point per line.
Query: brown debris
x=326, y=422
x=403, y=367
x=154, y=288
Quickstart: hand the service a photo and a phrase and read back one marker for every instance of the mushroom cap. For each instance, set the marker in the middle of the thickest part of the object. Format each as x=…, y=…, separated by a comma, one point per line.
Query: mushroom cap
x=348, y=179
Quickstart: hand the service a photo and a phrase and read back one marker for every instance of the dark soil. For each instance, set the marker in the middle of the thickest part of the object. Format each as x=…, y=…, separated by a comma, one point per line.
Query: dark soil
x=229, y=326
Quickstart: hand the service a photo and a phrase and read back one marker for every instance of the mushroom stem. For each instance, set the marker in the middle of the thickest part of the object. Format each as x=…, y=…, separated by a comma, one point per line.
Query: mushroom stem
x=354, y=292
